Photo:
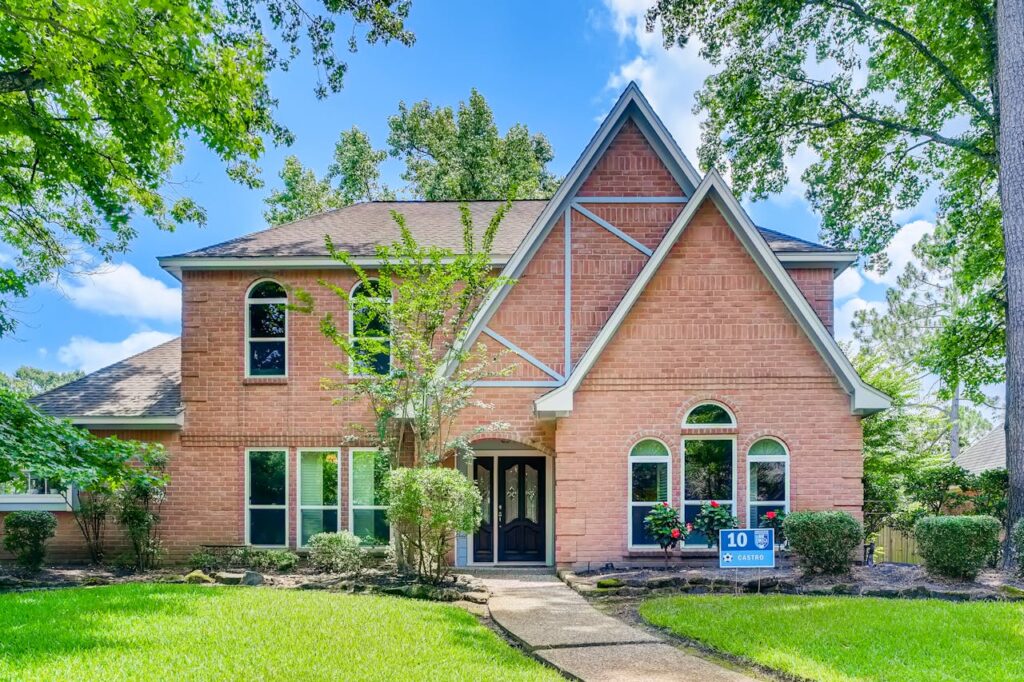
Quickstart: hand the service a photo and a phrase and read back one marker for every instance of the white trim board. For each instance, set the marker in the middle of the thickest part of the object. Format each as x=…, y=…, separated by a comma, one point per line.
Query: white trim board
x=864, y=399
x=162, y=423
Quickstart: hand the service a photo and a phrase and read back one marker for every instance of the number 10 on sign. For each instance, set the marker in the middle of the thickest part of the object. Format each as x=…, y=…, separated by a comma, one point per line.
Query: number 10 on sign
x=746, y=548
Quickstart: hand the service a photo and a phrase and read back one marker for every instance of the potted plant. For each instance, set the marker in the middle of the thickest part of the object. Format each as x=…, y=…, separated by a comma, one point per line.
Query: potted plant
x=712, y=518
x=663, y=524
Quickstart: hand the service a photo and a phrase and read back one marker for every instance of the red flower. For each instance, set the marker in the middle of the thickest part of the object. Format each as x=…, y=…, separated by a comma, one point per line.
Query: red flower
x=714, y=504
x=770, y=515
x=664, y=504
x=675, y=533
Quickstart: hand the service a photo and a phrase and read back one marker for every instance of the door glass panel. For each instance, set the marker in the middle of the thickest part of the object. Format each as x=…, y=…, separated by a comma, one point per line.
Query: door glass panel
x=512, y=493
x=483, y=484
x=532, y=493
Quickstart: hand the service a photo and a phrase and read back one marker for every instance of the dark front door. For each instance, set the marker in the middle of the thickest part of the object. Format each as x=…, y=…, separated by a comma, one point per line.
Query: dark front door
x=483, y=539
x=521, y=509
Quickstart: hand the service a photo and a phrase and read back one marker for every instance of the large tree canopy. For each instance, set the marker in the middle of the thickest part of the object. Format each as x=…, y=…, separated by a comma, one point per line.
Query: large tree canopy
x=447, y=155
x=97, y=98
x=29, y=381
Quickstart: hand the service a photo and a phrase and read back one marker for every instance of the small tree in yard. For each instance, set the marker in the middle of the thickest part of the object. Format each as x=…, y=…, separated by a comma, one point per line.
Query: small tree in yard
x=417, y=373
x=663, y=524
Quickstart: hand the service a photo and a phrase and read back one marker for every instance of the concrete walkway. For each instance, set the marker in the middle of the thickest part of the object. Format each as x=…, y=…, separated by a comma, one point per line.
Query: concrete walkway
x=561, y=627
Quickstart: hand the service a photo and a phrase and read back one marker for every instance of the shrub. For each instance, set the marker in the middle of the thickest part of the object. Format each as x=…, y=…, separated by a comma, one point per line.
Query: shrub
x=823, y=541
x=774, y=520
x=205, y=560
x=336, y=552
x=1017, y=545
x=957, y=546
x=664, y=526
x=427, y=507
x=712, y=518
x=25, y=536
x=280, y=560
x=138, y=510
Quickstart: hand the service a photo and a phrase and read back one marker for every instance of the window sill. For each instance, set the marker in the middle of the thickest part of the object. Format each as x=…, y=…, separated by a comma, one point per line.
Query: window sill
x=52, y=503
x=264, y=381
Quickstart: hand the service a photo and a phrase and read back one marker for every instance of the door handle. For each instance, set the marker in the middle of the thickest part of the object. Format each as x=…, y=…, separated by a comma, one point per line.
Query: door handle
x=501, y=514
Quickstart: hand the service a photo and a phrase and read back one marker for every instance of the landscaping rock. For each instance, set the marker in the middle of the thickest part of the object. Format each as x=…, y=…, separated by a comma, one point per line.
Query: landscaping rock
x=225, y=578
x=252, y=578
x=478, y=610
x=1011, y=592
x=609, y=582
x=197, y=577
x=476, y=597
x=882, y=593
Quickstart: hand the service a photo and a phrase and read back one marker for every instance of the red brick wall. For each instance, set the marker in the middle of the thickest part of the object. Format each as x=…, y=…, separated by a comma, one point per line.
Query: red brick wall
x=817, y=287
x=629, y=167
x=708, y=327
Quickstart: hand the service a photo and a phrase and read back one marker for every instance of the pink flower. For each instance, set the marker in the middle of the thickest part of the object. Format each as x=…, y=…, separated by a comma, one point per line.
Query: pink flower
x=675, y=533
x=770, y=515
x=664, y=504
x=714, y=504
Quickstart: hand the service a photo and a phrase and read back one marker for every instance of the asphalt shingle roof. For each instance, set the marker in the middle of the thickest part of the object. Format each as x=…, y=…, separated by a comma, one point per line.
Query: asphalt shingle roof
x=144, y=385
x=988, y=452
x=359, y=228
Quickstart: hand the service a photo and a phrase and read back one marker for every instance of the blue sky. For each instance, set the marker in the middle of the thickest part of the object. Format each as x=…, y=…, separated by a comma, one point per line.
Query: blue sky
x=556, y=67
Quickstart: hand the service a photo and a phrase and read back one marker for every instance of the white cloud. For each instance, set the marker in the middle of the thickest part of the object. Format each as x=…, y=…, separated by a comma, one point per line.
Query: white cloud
x=88, y=355
x=122, y=291
x=846, y=312
x=848, y=284
x=901, y=251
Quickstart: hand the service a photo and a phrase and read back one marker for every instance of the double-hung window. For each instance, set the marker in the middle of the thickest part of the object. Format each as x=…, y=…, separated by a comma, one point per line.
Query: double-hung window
x=266, y=330
x=768, y=462
x=318, y=493
x=266, y=495
x=650, y=470
x=368, y=507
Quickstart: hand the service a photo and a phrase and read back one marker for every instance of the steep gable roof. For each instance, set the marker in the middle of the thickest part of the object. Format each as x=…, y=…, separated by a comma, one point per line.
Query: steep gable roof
x=988, y=452
x=864, y=399
x=144, y=389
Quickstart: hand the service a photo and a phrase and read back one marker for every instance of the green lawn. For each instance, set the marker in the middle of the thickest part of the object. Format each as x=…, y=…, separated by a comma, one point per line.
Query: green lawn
x=837, y=638
x=179, y=632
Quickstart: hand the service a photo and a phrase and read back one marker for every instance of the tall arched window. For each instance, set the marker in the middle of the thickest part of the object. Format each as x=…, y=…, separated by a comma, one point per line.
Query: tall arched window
x=650, y=473
x=709, y=463
x=768, y=482
x=370, y=328
x=266, y=330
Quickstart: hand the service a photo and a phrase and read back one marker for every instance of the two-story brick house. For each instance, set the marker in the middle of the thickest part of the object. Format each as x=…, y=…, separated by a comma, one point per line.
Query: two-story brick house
x=665, y=349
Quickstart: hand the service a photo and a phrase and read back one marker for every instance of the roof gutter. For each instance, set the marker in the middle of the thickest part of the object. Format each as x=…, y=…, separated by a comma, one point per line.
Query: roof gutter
x=176, y=264
x=155, y=423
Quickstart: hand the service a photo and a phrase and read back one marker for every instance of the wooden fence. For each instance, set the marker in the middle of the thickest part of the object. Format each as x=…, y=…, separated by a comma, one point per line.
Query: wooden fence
x=896, y=547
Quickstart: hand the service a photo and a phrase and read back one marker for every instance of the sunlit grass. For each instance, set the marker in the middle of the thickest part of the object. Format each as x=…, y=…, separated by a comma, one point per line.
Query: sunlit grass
x=178, y=632
x=837, y=638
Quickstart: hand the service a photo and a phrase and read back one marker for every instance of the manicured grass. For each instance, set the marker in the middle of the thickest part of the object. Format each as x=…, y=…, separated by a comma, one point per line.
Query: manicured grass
x=837, y=638
x=180, y=632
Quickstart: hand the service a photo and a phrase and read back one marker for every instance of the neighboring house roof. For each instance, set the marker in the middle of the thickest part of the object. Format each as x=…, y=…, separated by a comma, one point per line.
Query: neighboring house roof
x=988, y=452
x=360, y=228
x=143, y=391
x=864, y=399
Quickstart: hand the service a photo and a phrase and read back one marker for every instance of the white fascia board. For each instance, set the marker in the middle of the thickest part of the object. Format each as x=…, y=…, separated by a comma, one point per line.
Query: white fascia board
x=175, y=264
x=164, y=423
x=839, y=261
x=864, y=398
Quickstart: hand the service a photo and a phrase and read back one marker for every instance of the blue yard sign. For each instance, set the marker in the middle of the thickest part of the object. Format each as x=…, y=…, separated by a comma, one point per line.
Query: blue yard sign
x=746, y=548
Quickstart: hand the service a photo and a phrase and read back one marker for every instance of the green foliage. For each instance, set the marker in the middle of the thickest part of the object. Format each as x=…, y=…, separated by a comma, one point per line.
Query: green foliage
x=957, y=546
x=25, y=536
x=712, y=518
x=663, y=524
x=941, y=488
x=991, y=493
x=894, y=101
x=336, y=553
x=776, y=521
x=280, y=560
x=428, y=506
x=1017, y=545
x=205, y=560
x=823, y=541
x=138, y=511
x=303, y=194
x=97, y=100
x=29, y=381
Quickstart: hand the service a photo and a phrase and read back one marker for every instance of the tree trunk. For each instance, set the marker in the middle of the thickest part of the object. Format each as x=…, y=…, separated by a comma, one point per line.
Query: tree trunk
x=1010, y=145
x=954, y=423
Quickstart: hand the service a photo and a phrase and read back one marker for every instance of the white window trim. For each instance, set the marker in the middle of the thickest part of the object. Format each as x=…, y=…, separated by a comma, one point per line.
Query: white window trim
x=287, y=497
x=630, y=504
x=299, y=507
x=249, y=339
x=352, y=332
x=731, y=425
x=766, y=458
x=683, y=501
x=34, y=501
x=351, y=479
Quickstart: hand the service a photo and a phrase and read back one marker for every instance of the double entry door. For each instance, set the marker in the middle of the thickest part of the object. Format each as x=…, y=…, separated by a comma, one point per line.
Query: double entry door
x=513, y=489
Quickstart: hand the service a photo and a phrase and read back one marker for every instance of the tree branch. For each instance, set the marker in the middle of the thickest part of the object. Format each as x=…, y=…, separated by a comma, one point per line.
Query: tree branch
x=20, y=80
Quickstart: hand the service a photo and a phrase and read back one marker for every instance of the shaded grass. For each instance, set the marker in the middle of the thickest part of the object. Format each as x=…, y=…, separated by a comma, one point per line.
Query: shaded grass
x=837, y=638
x=180, y=632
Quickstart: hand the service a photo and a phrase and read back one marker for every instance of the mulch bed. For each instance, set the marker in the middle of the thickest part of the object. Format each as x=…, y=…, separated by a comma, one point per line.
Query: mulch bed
x=883, y=580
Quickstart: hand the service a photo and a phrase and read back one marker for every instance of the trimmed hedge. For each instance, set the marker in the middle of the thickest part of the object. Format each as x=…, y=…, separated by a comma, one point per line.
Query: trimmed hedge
x=824, y=541
x=957, y=546
x=1017, y=541
x=336, y=553
x=25, y=536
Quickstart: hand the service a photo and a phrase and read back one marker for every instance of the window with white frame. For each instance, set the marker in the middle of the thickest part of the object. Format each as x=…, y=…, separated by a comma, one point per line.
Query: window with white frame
x=711, y=415
x=650, y=471
x=318, y=493
x=266, y=330
x=370, y=328
x=768, y=480
x=709, y=475
x=31, y=492
x=368, y=517
x=266, y=497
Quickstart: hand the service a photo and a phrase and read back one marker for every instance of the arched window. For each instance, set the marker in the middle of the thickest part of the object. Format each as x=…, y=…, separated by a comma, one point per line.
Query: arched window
x=266, y=330
x=650, y=473
x=370, y=329
x=768, y=464
x=712, y=415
